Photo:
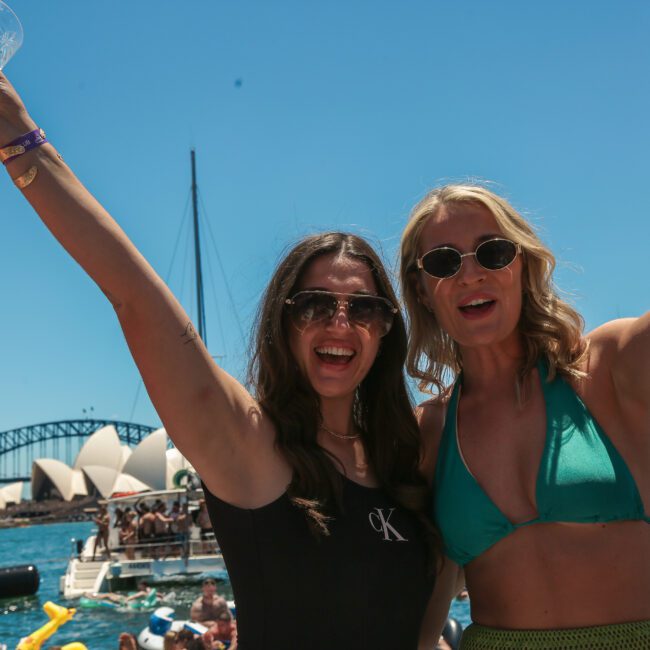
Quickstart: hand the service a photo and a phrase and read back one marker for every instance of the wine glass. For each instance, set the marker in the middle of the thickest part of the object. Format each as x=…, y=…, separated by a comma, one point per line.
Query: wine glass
x=11, y=34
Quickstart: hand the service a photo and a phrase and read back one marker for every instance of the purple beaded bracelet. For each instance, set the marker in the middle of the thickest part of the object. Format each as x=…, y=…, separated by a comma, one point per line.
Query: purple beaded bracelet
x=22, y=145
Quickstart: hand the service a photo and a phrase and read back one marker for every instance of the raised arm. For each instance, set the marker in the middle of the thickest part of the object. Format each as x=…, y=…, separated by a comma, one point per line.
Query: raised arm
x=212, y=419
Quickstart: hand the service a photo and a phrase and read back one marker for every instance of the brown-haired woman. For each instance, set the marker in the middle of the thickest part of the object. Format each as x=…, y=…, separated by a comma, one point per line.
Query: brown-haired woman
x=312, y=481
x=539, y=437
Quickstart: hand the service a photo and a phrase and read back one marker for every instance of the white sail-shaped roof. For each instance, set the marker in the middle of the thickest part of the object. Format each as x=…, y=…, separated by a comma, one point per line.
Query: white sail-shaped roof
x=107, y=481
x=128, y=483
x=175, y=460
x=11, y=493
x=126, y=454
x=102, y=448
x=50, y=473
x=105, y=466
x=79, y=487
x=101, y=478
x=148, y=462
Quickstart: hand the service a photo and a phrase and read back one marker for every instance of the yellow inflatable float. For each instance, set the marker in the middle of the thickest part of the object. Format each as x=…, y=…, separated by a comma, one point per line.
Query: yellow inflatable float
x=58, y=616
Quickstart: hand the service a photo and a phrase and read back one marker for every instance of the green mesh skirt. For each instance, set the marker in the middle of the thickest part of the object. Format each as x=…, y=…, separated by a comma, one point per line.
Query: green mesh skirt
x=621, y=636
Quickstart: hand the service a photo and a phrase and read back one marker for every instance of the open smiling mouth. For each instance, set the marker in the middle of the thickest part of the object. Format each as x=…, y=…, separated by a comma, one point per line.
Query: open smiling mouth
x=477, y=307
x=335, y=355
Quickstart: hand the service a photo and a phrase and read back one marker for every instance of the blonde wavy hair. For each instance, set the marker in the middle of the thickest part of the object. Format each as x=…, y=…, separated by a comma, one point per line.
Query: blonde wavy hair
x=550, y=328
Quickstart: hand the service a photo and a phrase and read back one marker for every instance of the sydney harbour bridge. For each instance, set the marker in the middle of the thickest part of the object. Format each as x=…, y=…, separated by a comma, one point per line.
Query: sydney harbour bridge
x=61, y=440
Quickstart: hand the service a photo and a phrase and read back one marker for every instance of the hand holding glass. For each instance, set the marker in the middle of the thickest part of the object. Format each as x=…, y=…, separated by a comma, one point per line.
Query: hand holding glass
x=11, y=34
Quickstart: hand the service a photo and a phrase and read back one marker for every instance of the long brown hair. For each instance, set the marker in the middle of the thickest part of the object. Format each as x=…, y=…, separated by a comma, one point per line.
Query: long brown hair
x=550, y=328
x=382, y=409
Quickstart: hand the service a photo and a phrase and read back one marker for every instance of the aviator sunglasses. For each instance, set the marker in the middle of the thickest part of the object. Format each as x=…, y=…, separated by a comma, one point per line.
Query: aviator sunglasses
x=368, y=312
x=444, y=262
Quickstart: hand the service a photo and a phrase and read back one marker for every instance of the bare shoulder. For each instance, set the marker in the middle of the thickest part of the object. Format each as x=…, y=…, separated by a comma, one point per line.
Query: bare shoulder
x=607, y=338
x=618, y=368
x=596, y=385
x=431, y=418
x=607, y=351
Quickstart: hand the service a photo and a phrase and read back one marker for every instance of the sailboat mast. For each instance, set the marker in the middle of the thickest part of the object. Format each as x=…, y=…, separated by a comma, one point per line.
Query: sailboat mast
x=200, y=304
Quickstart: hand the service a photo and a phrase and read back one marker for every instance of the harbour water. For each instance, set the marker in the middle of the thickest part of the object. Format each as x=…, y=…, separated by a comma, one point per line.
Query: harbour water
x=48, y=547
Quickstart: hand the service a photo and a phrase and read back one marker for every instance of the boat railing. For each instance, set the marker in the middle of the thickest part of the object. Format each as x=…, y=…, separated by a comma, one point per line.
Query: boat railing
x=162, y=547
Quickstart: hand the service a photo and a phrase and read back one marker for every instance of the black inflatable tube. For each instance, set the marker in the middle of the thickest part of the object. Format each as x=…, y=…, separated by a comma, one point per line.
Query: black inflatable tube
x=22, y=580
x=452, y=632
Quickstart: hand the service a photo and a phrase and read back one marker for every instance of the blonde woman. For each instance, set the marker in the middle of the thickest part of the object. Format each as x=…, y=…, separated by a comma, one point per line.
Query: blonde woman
x=539, y=436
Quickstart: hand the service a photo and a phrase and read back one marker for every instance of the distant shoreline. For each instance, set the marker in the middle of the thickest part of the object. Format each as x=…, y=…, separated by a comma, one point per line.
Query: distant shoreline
x=51, y=511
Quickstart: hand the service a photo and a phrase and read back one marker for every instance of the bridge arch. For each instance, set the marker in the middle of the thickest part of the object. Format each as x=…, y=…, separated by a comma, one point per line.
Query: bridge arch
x=20, y=447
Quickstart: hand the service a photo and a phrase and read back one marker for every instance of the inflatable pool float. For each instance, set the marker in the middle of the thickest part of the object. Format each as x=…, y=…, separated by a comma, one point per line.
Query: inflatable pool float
x=162, y=621
x=148, y=602
x=452, y=633
x=20, y=580
x=58, y=616
x=88, y=602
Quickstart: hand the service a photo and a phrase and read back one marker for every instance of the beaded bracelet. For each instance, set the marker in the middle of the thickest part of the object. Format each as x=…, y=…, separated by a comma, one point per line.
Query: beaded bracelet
x=22, y=145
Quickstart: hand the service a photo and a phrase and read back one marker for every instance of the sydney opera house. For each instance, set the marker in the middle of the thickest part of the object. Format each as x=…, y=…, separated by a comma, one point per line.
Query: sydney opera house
x=10, y=494
x=104, y=467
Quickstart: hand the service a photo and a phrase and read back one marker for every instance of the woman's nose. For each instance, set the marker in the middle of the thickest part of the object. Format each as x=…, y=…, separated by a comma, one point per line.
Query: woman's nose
x=470, y=271
x=340, y=316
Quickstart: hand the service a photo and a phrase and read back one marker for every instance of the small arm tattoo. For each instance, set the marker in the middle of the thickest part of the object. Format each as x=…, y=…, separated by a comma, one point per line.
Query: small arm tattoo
x=189, y=334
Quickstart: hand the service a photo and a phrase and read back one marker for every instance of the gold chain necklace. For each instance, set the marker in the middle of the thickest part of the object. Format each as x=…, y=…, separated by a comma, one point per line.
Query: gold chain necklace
x=341, y=436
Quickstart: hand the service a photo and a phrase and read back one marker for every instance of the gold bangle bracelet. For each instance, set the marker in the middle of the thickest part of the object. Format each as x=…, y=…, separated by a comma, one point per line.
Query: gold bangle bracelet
x=10, y=152
x=26, y=179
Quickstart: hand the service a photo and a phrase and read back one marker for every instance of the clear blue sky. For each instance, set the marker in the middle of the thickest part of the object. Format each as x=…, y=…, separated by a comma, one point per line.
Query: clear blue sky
x=346, y=114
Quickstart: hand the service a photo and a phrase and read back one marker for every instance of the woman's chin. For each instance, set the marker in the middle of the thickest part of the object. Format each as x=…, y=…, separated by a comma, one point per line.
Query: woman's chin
x=487, y=337
x=333, y=390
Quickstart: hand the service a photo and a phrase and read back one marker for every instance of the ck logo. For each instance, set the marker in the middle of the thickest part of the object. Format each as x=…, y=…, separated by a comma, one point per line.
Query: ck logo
x=381, y=523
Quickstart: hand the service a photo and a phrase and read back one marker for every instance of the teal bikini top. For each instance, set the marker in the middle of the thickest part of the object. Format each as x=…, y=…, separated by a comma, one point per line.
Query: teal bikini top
x=581, y=478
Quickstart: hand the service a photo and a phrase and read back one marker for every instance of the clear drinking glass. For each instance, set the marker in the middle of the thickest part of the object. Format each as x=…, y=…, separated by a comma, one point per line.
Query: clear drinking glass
x=11, y=34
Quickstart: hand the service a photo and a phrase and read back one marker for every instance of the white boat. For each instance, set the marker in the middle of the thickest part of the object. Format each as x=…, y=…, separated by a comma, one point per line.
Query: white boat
x=157, y=560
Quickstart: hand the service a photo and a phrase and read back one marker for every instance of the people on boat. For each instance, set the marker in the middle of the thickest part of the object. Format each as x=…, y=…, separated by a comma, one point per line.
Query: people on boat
x=209, y=606
x=128, y=534
x=311, y=480
x=538, y=435
x=146, y=524
x=174, y=513
x=101, y=538
x=162, y=522
x=176, y=540
x=119, y=514
x=205, y=526
x=161, y=530
x=183, y=526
